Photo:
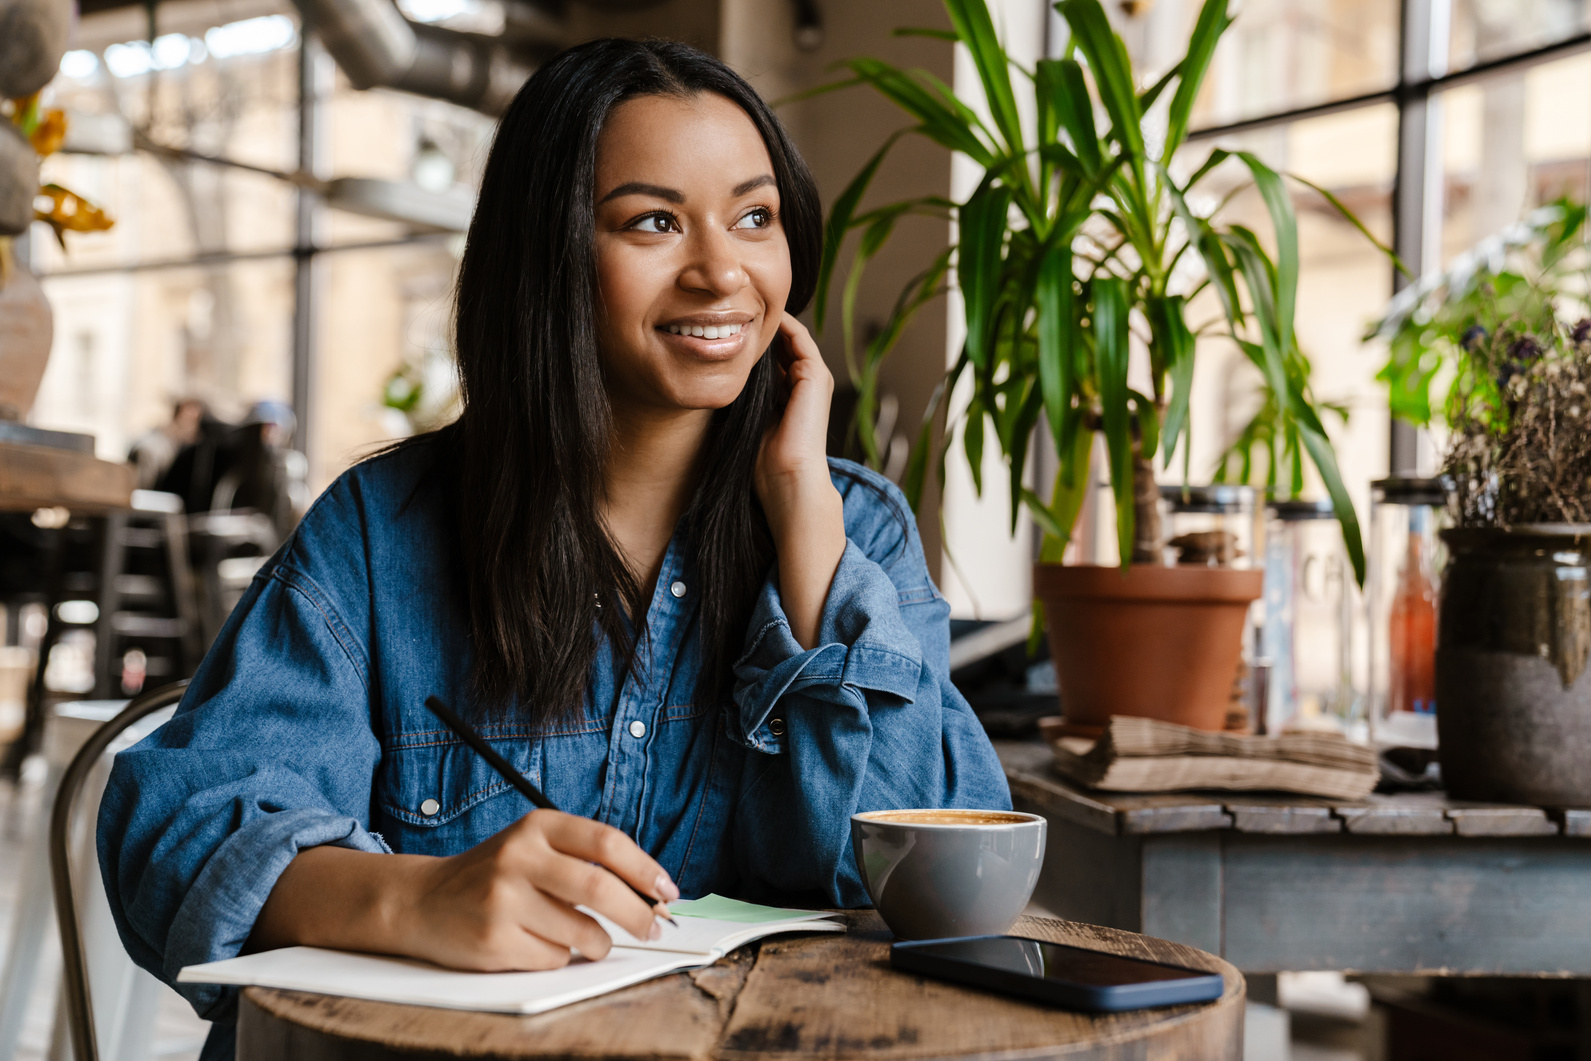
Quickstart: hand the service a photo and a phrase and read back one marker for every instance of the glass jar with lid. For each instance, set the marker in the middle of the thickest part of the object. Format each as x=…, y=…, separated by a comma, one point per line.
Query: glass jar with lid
x=1306, y=636
x=1209, y=526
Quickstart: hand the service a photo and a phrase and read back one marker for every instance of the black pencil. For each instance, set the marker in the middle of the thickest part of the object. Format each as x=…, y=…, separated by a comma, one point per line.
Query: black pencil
x=506, y=770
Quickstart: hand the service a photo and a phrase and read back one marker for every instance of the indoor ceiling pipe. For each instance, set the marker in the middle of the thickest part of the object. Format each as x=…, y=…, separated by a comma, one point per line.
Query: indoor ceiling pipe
x=376, y=46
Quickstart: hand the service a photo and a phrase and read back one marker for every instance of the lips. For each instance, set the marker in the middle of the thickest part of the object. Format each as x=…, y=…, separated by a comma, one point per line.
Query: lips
x=711, y=336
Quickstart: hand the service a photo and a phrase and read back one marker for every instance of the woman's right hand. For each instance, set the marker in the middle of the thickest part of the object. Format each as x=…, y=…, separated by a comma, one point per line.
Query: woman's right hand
x=506, y=904
x=509, y=902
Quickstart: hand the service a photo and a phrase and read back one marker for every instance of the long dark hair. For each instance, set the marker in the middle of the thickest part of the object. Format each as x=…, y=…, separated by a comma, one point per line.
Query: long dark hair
x=530, y=447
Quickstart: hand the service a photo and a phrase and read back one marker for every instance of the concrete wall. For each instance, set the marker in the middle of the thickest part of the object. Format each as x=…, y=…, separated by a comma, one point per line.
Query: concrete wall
x=837, y=133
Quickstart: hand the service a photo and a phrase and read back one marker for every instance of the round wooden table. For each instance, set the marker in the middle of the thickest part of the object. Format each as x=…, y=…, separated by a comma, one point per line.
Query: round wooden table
x=793, y=998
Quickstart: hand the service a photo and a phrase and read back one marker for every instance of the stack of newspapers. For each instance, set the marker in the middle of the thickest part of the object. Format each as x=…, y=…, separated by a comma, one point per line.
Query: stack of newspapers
x=1145, y=755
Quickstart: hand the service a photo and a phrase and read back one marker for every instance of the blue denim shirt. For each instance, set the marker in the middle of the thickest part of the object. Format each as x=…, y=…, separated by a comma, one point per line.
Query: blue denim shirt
x=306, y=725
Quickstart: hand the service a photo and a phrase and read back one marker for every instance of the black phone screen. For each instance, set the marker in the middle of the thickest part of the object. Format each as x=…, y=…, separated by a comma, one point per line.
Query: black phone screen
x=1054, y=961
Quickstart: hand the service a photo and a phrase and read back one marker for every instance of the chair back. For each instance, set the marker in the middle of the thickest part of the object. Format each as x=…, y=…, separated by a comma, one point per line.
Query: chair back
x=74, y=965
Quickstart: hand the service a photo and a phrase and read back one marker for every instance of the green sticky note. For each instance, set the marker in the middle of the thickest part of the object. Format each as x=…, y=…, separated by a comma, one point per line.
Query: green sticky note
x=718, y=908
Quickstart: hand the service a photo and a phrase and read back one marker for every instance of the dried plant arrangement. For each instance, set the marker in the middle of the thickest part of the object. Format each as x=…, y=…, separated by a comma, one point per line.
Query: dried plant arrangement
x=1520, y=450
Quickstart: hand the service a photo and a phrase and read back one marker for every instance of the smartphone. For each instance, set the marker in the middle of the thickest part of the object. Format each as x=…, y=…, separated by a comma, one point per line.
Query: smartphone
x=1071, y=977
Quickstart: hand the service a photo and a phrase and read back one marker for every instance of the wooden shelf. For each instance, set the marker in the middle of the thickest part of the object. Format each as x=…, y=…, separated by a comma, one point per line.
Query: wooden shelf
x=39, y=477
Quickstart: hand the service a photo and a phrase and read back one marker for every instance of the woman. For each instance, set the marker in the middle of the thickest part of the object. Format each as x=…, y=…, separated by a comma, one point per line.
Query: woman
x=628, y=560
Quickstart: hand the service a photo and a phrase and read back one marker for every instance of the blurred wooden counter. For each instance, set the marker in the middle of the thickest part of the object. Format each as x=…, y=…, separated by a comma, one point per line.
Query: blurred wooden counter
x=41, y=477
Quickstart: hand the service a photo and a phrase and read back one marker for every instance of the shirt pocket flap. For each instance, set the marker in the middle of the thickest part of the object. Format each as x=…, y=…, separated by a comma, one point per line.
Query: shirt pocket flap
x=430, y=779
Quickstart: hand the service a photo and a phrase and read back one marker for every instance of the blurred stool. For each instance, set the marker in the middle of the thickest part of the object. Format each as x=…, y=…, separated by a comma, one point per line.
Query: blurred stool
x=148, y=602
x=128, y=995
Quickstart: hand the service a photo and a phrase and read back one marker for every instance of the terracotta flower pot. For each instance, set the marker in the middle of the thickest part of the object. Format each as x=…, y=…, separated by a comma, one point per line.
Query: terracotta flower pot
x=1155, y=642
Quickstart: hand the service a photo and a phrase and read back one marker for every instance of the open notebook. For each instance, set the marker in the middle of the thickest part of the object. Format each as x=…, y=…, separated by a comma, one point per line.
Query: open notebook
x=709, y=928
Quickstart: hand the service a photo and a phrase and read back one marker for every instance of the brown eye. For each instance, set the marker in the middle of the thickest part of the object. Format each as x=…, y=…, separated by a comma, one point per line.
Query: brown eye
x=761, y=217
x=655, y=223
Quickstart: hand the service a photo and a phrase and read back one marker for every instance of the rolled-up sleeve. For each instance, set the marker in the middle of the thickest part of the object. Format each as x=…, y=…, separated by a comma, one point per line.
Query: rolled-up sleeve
x=866, y=720
x=271, y=751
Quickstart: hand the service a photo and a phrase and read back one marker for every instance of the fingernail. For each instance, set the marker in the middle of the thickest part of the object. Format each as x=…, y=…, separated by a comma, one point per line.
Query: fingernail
x=665, y=888
x=656, y=931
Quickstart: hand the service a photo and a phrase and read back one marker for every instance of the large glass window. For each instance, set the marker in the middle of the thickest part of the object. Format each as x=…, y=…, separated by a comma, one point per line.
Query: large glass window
x=192, y=293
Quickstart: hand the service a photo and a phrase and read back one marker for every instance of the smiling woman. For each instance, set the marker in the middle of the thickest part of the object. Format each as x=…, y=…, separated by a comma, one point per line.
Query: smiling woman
x=629, y=560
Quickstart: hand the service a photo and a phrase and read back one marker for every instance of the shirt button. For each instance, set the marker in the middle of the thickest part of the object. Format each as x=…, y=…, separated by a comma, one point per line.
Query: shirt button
x=637, y=729
x=678, y=589
x=776, y=726
x=430, y=807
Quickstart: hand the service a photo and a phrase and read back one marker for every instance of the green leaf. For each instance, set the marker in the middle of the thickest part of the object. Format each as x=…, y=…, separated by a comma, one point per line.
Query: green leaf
x=872, y=241
x=1040, y=512
x=840, y=222
x=1353, y=219
x=1170, y=332
x=1074, y=110
x=1107, y=58
x=972, y=444
x=976, y=30
x=915, y=477
x=1053, y=301
x=815, y=91
x=1207, y=31
x=945, y=120
x=1214, y=159
x=1147, y=98
x=983, y=222
x=1325, y=461
x=1046, y=92
x=1148, y=422
x=1070, y=492
x=1285, y=224
x=925, y=31
x=1110, y=355
x=1018, y=437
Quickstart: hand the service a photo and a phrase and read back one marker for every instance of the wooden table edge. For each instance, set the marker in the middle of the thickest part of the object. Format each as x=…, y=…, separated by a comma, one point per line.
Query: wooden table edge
x=285, y=1007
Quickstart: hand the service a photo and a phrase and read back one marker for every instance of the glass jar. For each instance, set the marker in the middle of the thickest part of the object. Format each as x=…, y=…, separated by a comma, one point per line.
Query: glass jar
x=1402, y=588
x=1306, y=636
x=1209, y=526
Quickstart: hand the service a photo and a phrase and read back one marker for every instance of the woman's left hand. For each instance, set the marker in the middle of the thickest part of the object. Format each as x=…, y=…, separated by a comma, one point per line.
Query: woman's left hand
x=804, y=510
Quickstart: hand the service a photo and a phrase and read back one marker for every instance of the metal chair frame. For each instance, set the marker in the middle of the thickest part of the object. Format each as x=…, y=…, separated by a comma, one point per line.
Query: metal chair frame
x=74, y=964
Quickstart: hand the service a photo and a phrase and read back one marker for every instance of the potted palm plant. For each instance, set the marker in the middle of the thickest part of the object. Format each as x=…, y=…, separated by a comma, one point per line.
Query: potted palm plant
x=1073, y=257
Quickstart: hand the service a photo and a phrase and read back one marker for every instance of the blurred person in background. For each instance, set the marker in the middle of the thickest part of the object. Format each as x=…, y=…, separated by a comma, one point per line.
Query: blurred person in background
x=155, y=450
x=243, y=467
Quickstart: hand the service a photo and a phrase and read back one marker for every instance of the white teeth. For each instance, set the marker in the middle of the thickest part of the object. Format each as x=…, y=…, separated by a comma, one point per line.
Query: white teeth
x=721, y=331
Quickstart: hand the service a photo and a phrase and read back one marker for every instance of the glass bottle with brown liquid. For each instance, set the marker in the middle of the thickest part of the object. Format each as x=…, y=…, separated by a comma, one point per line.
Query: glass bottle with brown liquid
x=1411, y=626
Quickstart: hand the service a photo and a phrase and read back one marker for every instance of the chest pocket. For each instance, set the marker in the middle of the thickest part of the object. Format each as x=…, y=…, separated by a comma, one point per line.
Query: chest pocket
x=439, y=796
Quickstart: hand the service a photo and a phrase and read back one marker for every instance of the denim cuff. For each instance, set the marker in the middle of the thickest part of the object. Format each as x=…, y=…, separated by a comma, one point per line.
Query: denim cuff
x=219, y=911
x=863, y=645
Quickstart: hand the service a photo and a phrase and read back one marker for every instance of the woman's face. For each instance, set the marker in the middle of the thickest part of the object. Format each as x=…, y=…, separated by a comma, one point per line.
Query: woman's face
x=692, y=264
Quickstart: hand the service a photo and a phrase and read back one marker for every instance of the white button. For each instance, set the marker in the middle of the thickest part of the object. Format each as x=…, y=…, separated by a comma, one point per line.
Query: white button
x=430, y=807
x=678, y=589
x=637, y=728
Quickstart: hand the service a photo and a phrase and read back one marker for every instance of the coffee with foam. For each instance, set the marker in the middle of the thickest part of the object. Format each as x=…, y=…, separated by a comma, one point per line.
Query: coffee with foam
x=947, y=817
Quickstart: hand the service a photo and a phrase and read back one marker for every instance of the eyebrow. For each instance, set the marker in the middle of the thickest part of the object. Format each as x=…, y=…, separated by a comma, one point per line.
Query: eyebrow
x=640, y=188
x=756, y=182
x=669, y=194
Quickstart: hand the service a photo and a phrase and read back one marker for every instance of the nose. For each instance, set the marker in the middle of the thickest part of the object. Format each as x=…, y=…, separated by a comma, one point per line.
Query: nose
x=714, y=268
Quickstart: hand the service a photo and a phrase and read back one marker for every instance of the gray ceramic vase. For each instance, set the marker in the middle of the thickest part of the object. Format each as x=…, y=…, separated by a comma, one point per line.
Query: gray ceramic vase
x=930, y=881
x=1513, y=697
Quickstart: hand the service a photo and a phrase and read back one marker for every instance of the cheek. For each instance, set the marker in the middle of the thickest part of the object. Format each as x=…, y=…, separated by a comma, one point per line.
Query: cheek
x=771, y=277
x=626, y=288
